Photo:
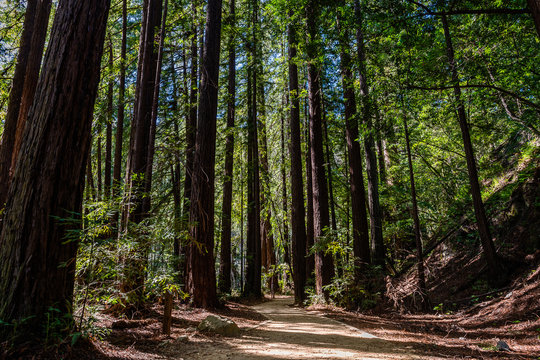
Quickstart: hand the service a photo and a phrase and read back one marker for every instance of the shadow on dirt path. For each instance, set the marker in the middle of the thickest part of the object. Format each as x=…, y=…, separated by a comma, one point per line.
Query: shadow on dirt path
x=293, y=333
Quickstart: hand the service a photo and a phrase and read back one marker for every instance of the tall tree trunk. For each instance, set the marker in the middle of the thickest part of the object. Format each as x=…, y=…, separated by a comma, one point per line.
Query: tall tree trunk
x=361, y=250
x=253, y=245
x=119, y=138
x=321, y=218
x=191, y=132
x=98, y=165
x=136, y=170
x=310, y=236
x=37, y=263
x=108, y=136
x=268, y=256
x=379, y=146
x=331, y=203
x=377, y=242
x=494, y=264
x=225, y=256
x=23, y=88
x=284, y=199
x=534, y=6
x=416, y=220
x=298, y=225
x=201, y=258
x=154, y=113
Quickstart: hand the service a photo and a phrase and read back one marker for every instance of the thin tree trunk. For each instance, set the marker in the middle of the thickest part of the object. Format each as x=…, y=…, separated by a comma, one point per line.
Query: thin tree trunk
x=310, y=236
x=23, y=89
x=154, y=113
x=361, y=250
x=284, y=199
x=136, y=170
x=416, y=220
x=494, y=265
x=201, y=258
x=117, y=171
x=38, y=264
x=191, y=133
x=225, y=256
x=268, y=257
x=98, y=167
x=324, y=268
x=108, y=136
x=377, y=242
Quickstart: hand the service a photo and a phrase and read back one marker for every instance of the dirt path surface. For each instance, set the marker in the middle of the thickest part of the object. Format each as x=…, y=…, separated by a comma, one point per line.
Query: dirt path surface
x=293, y=333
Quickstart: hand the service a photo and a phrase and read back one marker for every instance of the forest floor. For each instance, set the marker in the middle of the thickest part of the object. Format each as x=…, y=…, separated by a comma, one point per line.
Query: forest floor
x=274, y=329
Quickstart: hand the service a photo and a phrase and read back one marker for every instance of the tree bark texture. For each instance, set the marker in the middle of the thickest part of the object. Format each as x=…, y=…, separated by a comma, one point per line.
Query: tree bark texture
x=225, y=256
x=108, y=134
x=137, y=207
x=191, y=133
x=298, y=227
x=377, y=242
x=361, y=249
x=23, y=89
x=321, y=218
x=252, y=287
x=310, y=237
x=201, y=257
x=119, y=136
x=37, y=255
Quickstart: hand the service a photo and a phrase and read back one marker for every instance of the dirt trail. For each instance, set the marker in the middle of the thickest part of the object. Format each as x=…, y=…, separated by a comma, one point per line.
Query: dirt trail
x=293, y=333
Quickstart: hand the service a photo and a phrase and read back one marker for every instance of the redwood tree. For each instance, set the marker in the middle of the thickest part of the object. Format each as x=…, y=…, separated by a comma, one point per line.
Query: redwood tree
x=297, y=192
x=23, y=89
x=324, y=270
x=38, y=249
x=137, y=168
x=361, y=249
x=253, y=245
x=225, y=256
x=202, y=284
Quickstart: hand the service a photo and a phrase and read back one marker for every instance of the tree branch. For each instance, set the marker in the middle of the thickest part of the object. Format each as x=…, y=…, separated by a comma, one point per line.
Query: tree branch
x=497, y=11
x=478, y=86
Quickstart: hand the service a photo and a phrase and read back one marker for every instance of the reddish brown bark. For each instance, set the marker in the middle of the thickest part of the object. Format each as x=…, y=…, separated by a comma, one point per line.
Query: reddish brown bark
x=252, y=287
x=119, y=138
x=361, y=250
x=24, y=86
x=298, y=227
x=38, y=264
x=137, y=165
x=324, y=268
x=108, y=134
x=201, y=255
x=377, y=242
x=225, y=266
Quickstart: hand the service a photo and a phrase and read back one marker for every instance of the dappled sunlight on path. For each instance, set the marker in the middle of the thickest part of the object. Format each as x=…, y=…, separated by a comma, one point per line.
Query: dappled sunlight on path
x=293, y=333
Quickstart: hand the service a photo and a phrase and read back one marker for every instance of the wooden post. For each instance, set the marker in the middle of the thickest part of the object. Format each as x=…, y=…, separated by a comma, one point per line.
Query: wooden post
x=167, y=313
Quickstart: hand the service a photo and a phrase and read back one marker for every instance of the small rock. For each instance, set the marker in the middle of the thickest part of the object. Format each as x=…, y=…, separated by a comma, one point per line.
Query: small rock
x=181, y=339
x=219, y=325
x=502, y=346
x=509, y=295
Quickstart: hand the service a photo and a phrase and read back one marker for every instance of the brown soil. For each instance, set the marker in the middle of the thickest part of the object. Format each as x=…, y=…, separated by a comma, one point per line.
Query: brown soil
x=275, y=330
